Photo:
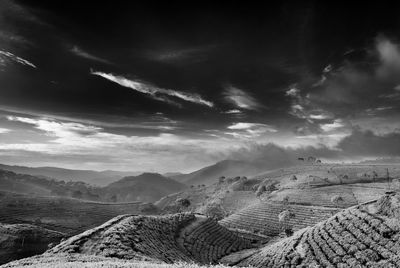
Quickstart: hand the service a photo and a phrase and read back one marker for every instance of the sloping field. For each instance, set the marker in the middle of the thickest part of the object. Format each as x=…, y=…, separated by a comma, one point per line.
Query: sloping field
x=351, y=194
x=66, y=215
x=85, y=261
x=363, y=236
x=172, y=238
x=264, y=217
x=23, y=240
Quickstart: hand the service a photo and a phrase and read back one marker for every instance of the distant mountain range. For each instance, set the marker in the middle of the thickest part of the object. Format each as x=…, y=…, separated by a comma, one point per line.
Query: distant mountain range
x=227, y=168
x=147, y=187
x=98, y=178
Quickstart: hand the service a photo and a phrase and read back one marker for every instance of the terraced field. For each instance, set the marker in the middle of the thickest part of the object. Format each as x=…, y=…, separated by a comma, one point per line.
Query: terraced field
x=69, y=216
x=173, y=238
x=363, y=236
x=264, y=217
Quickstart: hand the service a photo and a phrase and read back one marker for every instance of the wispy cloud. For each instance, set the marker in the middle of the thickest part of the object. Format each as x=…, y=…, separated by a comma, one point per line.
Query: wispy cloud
x=249, y=130
x=336, y=124
x=4, y=130
x=241, y=99
x=81, y=53
x=154, y=91
x=5, y=55
x=233, y=111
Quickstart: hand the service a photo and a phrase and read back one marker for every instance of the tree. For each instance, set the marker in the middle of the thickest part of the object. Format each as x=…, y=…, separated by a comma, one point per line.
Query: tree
x=293, y=178
x=285, y=201
x=182, y=203
x=336, y=199
x=215, y=210
x=284, y=221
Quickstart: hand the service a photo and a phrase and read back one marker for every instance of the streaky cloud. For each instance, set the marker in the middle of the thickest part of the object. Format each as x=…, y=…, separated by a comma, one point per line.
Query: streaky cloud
x=155, y=92
x=15, y=58
x=83, y=54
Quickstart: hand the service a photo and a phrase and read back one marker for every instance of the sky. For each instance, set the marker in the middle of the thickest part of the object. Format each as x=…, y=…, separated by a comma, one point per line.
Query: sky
x=178, y=86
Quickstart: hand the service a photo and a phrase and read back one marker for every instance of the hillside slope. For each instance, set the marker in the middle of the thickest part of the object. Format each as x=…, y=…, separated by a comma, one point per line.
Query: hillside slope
x=227, y=168
x=23, y=240
x=362, y=236
x=99, y=178
x=175, y=238
x=147, y=187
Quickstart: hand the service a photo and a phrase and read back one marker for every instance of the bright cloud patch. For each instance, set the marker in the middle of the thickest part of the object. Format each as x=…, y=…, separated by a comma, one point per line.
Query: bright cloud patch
x=155, y=92
x=332, y=126
x=249, y=130
x=241, y=99
x=4, y=130
x=5, y=55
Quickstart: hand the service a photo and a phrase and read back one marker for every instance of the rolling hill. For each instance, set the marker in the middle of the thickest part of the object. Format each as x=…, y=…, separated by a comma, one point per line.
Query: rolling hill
x=147, y=187
x=227, y=168
x=99, y=178
x=24, y=240
x=366, y=235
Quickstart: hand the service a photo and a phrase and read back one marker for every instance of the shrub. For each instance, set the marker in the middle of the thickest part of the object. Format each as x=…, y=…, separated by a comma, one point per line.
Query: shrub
x=336, y=199
x=261, y=189
x=215, y=210
x=182, y=203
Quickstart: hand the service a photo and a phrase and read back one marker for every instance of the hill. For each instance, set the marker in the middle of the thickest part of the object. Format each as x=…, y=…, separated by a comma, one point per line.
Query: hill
x=147, y=187
x=227, y=168
x=363, y=236
x=175, y=238
x=28, y=184
x=66, y=215
x=99, y=178
x=366, y=235
x=24, y=240
x=88, y=261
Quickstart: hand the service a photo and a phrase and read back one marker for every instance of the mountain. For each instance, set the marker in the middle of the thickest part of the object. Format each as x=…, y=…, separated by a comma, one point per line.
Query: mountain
x=147, y=187
x=43, y=186
x=228, y=168
x=99, y=178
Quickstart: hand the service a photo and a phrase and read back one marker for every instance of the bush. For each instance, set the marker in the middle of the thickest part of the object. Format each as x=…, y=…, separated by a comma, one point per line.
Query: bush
x=216, y=211
x=261, y=189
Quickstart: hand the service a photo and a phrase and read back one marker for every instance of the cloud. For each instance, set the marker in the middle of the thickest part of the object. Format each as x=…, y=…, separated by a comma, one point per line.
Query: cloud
x=233, y=111
x=180, y=55
x=81, y=53
x=367, y=143
x=65, y=140
x=369, y=82
x=241, y=99
x=293, y=92
x=244, y=130
x=5, y=55
x=336, y=124
x=155, y=92
x=4, y=130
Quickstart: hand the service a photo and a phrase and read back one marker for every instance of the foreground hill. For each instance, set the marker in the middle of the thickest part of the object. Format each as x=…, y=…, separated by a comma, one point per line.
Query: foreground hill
x=23, y=240
x=147, y=187
x=226, y=168
x=99, y=178
x=362, y=236
x=66, y=215
x=367, y=235
x=173, y=238
x=88, y=261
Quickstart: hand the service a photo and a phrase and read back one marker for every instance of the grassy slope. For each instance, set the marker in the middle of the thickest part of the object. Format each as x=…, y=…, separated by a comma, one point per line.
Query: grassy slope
x=84, y=261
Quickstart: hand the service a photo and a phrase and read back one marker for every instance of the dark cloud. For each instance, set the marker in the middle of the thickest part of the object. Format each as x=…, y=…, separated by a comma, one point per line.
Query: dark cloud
x=367, y=143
